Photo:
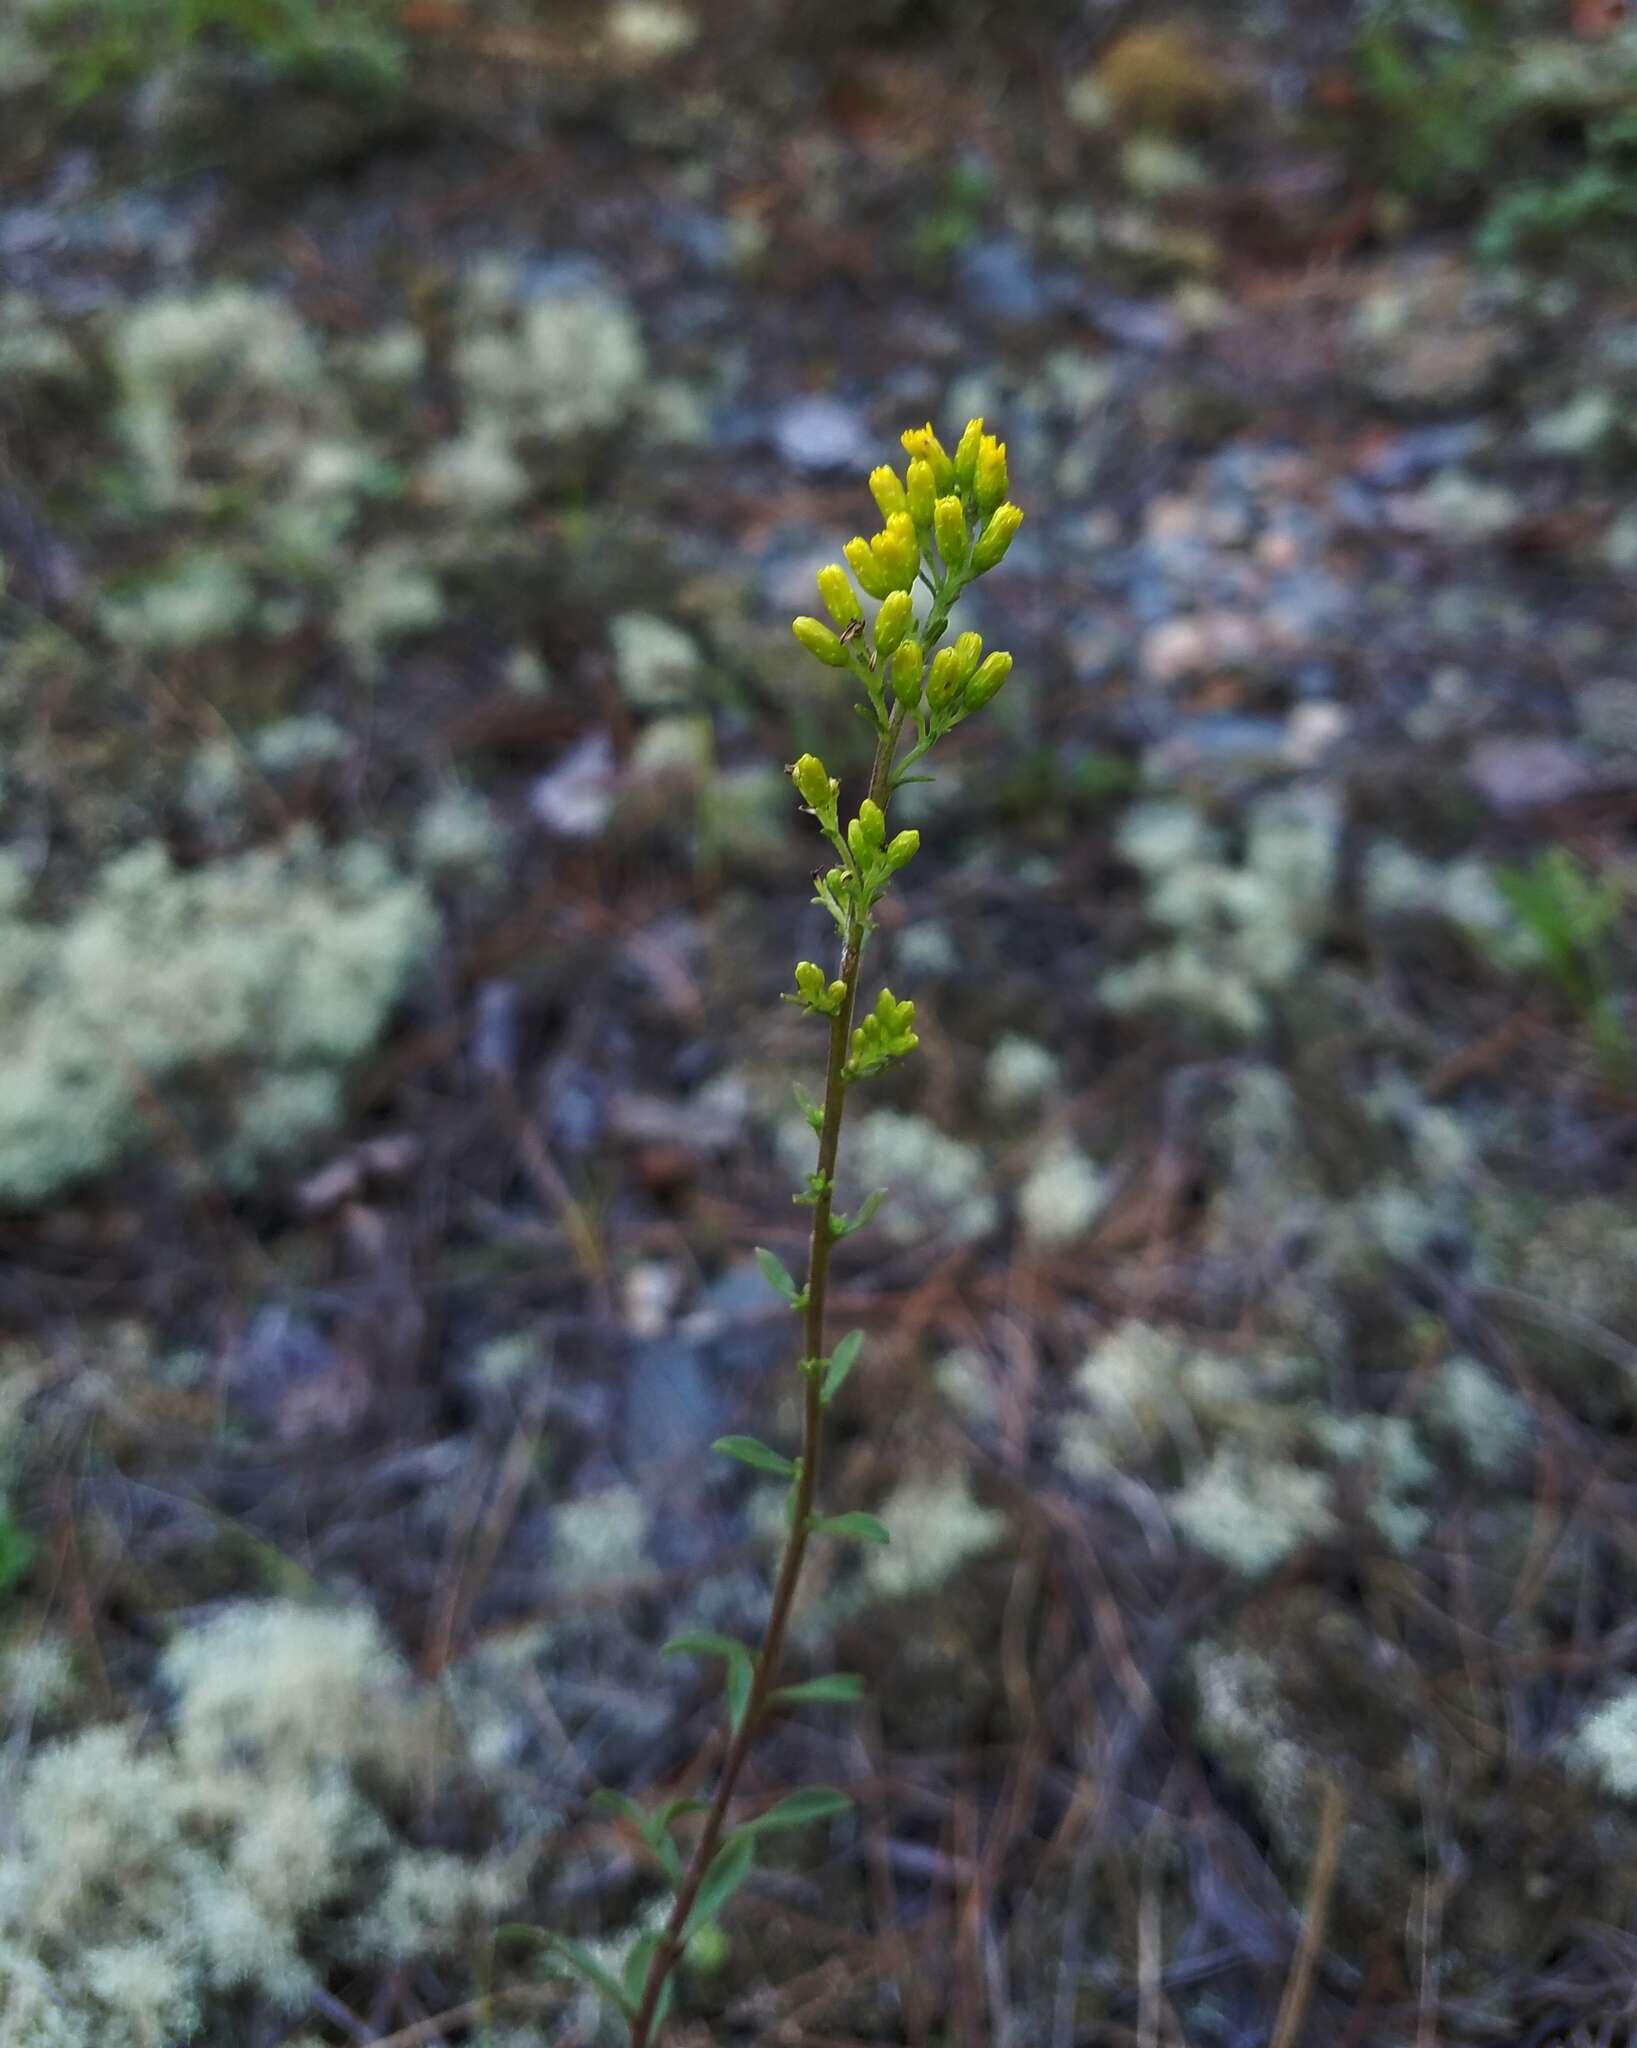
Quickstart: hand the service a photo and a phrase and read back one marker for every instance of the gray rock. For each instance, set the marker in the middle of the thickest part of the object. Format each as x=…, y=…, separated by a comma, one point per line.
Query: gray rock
x=674, y=1410
x=1000, y=279
x=1515, y=774
x=1608, y=713
x=575, y=798
x=820, y=436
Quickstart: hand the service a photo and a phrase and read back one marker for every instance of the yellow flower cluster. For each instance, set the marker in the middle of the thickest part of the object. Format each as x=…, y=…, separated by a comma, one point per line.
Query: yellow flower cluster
x=945, y=522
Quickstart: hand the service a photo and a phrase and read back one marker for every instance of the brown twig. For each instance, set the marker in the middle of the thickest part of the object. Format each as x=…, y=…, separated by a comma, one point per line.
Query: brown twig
x=1299, y=1985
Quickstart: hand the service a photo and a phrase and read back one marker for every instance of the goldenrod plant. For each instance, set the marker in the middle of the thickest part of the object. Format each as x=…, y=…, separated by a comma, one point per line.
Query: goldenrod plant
x=946, y=521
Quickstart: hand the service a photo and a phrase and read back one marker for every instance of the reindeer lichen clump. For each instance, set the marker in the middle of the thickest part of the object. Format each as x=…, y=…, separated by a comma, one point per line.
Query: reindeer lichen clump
x=946, y=522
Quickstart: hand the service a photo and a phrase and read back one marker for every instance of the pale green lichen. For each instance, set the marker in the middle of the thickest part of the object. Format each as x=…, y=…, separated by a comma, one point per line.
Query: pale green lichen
x=1019, y=1071
x=600, y=1537
x=565, y=364
x=1397, y=1466
x=1464, y=893
x=178, y=358
x=391, y=595
x=1252, y=1513
x=1604, y=1746
x=478, y=472
x=936, y=1527
x=1487, y=1421
x=156, y=1882
x=1062, y=1196
x=32, y=351
x=1244, y=1721
x=458, y=836
x=1130, y=1387
x=936, y=1185
x=656, y=663
x=200, y=598
x=963, y=1379
x=282, y=963
x=1239, y=932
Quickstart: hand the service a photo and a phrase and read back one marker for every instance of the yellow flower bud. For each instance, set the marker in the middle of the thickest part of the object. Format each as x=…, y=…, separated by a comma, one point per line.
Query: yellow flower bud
x=873, y=580
x=922, y=495
x=989, y=480
x=966, y=454
x=840, y=599
x=922, y=441
x=872, y=821
x=903, y=850
x=986, y=683
x=906, y=674
x=897, y=553
x=818, y=789
x=996, y=537
x=887, y=489
x=968, y=652
x=949, y=522
x=943, y=679
x=893, y=621
x=817, y=638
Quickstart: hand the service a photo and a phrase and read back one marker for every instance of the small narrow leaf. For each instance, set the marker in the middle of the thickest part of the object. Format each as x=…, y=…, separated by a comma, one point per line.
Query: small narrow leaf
x=840, y=1689
x=776, y=1273
x=861, y=1528
x=842, y=1360
x=740, y=1671
x=635, y=1972
x=844, y=1226
x=798, y=1810
x=730, y=1866
x=585, y=1966
x=736, y=1684
x=608, y=1801
x=673, y=1810
x=750, y=1452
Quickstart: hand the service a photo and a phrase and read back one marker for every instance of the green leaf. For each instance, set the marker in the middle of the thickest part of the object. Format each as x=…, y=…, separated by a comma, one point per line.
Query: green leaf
x=842, y=1360
x=608, y=1801
x=16, y=1552
x=861, y=1528
x=844, y=1226
x=777, y=1275
x=840, y=1689
x=811, y=1110
x=584, y=1965
x=816, y=1803
x=730, y=1866
x=672, y=1811
x=635, y=1972
x=750, y=1452
x=654, y=1828
x=740, y=1671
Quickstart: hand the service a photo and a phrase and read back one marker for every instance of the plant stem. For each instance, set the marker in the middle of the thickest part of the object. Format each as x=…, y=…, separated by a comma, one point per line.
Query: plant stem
x=668, y=1952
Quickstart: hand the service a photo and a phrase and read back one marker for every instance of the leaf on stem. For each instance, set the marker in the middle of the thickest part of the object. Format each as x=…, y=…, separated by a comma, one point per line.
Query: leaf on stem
x=860, y=1528
x=839, y=1689
x=729, y=1868
x=750, y=1451
x=811, y=1110
x=777, y=1275
x=844, y=1226
x=582, y=1964
x=740, y=1672
x=816, y=1803
x=842, y=1360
